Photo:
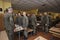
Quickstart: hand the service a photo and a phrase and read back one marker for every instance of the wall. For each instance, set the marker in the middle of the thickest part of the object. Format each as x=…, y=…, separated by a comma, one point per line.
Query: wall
x=4, y=5
x=54, y=15
x=33, y=11
x=30, y=11
x=1, y=4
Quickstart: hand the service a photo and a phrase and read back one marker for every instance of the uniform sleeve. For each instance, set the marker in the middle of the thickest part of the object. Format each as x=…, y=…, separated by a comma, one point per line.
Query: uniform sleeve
x=35, y=20
x=16, y=21
x=23, y=22
x=26, y=21
x=6, y=23
x=48, y=20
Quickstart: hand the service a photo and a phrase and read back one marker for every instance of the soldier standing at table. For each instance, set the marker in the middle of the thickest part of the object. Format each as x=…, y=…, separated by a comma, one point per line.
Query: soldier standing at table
x=16, y=19
x=19, y=19
x=29, y=19
x=9, y=23
x=41, y=21
x=33, y=22
x=45, y=22
x=25, y=25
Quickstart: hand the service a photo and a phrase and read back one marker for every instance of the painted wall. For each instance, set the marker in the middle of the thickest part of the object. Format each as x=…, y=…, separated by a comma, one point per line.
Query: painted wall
x=16, y=11
x=1, y=4
x=30, y=11
x=33, y=11
x=54, y=15
x=4, y=5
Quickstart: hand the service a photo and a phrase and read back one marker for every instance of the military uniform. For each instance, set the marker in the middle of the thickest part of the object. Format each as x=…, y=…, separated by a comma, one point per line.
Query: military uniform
x=25, y=25
x=45, y=22
x=9, y=25
x=33, y=22
x=19, y=20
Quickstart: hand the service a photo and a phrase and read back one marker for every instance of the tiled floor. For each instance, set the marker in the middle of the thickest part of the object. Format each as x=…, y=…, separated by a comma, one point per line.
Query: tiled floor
x=32, y=37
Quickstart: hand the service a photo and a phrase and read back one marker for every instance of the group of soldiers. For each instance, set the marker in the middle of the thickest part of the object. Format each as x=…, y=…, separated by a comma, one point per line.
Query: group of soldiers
x=24, y=20
x=45, y=21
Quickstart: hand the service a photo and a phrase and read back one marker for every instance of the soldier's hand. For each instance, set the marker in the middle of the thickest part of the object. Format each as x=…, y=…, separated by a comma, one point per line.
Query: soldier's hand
x=45, y=24
x=25, y=28
x=14, y=30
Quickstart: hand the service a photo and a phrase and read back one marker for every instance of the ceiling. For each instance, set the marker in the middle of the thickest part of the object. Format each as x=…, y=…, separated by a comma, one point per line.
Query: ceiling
x=42, y=5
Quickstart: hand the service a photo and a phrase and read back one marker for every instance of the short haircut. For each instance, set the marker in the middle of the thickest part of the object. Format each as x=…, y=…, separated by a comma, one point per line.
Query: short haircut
x=6, y=10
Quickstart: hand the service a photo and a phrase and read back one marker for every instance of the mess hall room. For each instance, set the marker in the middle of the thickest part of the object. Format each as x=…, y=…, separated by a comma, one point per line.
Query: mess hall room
x=29, y=19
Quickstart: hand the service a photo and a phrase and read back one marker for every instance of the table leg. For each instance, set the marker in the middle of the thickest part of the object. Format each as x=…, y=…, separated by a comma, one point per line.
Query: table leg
x=19, y=35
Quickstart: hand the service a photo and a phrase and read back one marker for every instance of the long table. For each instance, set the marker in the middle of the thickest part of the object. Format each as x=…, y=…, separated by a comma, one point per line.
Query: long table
x=19, y=28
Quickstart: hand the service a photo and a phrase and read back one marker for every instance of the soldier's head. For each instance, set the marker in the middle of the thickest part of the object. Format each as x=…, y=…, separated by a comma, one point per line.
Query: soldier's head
x=10, y=10
x=49, y=13
x=5, y=11
x=16, y=14
x=41, y=14
x=32, y=13
x=45, y=13
x=19, y=13
x=24, y=13
x=28, y=14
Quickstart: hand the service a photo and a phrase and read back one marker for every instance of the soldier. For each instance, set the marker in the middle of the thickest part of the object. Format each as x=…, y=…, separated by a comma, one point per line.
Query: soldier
x=41, y=21
x=16, y=19
x=25, y=25
x=19, y=19
x=5, y=11
x=50, y=20
x=41, y=17
x=45, y=22
x=9, y=23
x=33, y=22
x=29, y=19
